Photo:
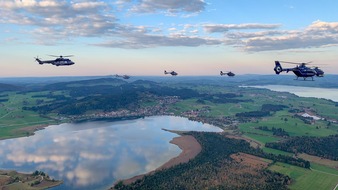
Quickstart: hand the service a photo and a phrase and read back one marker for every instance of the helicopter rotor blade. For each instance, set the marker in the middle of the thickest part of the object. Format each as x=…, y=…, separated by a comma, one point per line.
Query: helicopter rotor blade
x=61, y=55
x=290, y=62
x=295, y=63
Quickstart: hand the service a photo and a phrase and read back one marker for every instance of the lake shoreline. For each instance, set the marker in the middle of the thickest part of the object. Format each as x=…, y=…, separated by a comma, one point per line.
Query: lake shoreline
x=10, y=179
x=190, y=149
x=26, y=131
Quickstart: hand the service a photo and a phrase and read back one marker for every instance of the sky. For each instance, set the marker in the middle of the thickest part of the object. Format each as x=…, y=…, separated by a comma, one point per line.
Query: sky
x=146, y=37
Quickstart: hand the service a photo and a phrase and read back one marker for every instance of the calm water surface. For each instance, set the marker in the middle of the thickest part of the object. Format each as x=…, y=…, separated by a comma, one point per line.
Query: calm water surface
x=93, y=155
x=327, y=93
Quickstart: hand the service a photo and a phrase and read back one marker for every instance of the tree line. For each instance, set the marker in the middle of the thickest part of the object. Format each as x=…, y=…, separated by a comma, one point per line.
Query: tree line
x=325, y=147
x=275, y=131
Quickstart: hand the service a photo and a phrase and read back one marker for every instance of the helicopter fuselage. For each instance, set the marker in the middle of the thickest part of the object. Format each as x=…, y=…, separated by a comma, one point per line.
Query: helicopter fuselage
x=230, y=74
x=304, y=72
x=56, y=62
x=173, y=73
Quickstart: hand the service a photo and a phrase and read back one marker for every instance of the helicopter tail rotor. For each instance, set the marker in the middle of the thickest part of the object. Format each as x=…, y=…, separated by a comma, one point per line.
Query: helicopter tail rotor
x=278, y=67
x=38, y=60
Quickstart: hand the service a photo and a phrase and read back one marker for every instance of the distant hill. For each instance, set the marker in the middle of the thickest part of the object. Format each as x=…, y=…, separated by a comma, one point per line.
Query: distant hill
x=9, y=87
x=144, y=83
x=328, y=81
x=83, y=83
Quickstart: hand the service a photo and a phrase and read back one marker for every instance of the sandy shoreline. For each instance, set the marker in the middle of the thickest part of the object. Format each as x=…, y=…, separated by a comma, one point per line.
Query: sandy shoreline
x=190, y=148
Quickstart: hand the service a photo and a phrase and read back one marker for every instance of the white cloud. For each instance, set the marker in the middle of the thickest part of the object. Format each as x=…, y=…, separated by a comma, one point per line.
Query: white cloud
x=172, y=6
x=318, y=34
x=268, y=38
x=213, y=28
x=139, y=40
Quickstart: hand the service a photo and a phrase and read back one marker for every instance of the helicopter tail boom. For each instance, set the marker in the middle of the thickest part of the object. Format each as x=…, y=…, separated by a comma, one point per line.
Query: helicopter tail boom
x=278, y=68
x=39, y=61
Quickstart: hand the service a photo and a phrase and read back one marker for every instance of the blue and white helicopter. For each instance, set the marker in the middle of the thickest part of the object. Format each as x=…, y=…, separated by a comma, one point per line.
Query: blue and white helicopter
x=59, y=61
x=301, y=70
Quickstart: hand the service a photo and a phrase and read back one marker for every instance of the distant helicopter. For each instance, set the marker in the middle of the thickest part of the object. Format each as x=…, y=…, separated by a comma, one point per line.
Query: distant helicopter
x=230, y=74
x=301, y=70
x=173, y=73
x=123, y=76
x=59, y=61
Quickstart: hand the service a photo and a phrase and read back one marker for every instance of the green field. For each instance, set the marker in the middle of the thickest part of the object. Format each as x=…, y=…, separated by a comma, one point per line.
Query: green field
x=292, y=125
x=13, y=116
x=319, y=178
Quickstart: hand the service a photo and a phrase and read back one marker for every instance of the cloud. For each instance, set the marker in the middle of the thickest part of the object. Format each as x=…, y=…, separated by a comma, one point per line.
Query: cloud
x=139, y=40
x=214, y=28
x=55, y=20
x=241, y=35
x=268, y=38
x=172, y=6
x=51, y=22
x=318, y=34
x=61, y=21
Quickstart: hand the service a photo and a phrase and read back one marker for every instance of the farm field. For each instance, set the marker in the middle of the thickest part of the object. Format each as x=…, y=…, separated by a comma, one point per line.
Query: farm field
x=14, y=119
x=319, y=178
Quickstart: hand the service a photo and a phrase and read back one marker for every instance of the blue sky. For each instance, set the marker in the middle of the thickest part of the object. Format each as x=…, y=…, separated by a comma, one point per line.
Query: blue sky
x=145, y=37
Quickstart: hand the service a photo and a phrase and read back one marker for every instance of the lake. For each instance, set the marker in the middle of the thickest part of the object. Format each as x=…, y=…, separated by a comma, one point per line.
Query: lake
x=326, y=93
x=94, y=155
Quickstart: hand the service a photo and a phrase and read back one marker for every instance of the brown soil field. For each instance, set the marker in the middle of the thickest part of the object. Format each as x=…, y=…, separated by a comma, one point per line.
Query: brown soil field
x=250, y=160
x=319, y=160
x=31, y=129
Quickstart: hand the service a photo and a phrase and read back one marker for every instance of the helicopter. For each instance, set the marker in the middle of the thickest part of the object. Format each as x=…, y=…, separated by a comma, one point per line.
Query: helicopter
x=301, y=70
x=230, y=74
x=59, y=61
x=173, y=73
x=123, y=76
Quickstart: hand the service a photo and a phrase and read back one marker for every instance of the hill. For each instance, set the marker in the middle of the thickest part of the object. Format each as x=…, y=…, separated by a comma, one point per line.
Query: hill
x=9, y=87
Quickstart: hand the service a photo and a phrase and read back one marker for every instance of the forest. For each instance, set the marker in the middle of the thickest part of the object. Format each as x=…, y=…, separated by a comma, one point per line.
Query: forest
x=213, y=168
x=325, y=147
x=275, y=131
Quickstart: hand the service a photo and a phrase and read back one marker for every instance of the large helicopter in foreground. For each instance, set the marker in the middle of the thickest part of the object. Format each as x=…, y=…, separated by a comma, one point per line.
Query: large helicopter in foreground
x=301, y=70
x=229, y=73
x=59, y=61
x=173, y=73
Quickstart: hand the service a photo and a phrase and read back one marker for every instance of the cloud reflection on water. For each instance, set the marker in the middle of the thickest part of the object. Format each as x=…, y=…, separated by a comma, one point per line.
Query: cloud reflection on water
x=95, y=154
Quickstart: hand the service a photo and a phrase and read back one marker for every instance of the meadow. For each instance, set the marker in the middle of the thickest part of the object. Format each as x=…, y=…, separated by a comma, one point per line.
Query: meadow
x=14, y=118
